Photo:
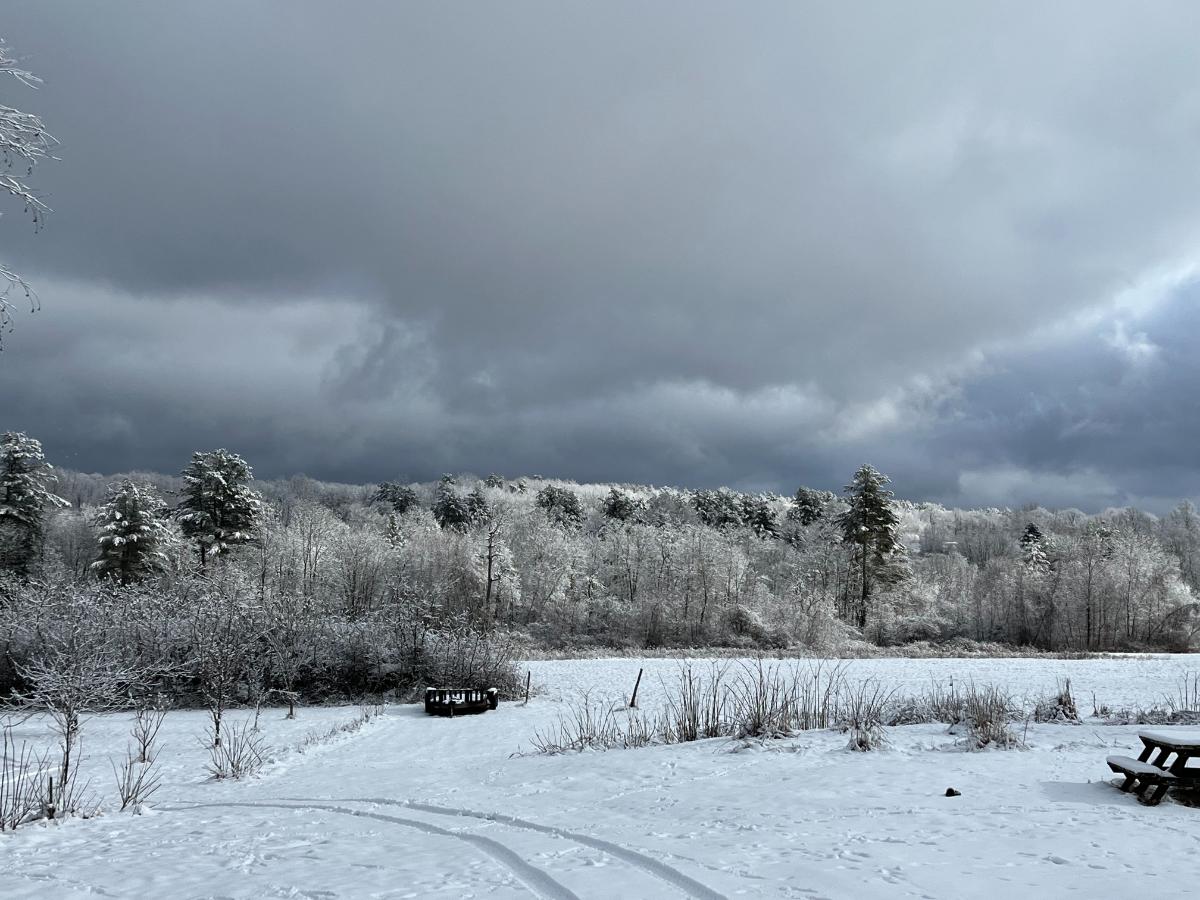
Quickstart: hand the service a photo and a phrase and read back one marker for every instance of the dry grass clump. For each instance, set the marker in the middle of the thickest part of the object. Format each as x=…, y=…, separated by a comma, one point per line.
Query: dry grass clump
x=988, y=713
x=1059, y=708
x=756, y=701
x=862, y=715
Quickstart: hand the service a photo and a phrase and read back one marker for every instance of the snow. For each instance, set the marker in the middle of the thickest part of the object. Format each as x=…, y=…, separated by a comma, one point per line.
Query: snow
x=416, y=806
x=1174, y=735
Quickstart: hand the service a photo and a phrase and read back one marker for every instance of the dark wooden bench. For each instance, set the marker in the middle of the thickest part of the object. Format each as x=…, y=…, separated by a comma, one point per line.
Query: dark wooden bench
x=453, y=702
x=1140, y=777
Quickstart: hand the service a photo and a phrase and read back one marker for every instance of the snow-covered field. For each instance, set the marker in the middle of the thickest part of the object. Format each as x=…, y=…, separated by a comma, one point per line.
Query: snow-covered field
x=419, y=807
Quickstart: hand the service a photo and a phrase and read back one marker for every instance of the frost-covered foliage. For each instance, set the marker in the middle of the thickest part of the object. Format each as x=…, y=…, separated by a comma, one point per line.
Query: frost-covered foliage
x=213, y=642
x=988, y=713
x=75, y=669
x=561, y=506
x=218, y=511
x=570, y=568
x=24, y=143
x=25, y=480
x=871, y=525
x=134, y=535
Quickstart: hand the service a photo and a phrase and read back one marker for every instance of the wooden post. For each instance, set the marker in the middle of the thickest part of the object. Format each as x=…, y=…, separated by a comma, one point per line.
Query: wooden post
x=528, y=680
x=636, y=685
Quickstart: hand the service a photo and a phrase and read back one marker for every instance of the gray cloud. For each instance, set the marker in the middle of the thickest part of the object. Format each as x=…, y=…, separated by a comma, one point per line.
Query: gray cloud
x=682, y=243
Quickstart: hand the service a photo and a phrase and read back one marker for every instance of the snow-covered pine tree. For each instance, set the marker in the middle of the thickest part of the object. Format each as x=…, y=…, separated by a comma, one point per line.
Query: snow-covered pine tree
x=400, y=497
x=719, y=508
x=1034, y=550
x=25, y=479
x=133, y=534
x=561, y=505
x=808, y=505
x=218, y=511
x=450, y=509
x=478, y=509
x=758, y=516
x=621, y=506
x=871, y=524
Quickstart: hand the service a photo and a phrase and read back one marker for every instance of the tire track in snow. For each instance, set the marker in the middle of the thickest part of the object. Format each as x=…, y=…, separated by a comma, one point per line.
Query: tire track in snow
x=685, y=883
x=532, y=877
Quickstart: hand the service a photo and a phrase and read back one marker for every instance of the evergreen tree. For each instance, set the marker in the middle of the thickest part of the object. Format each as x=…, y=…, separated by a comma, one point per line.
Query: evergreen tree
x=621, y=506
x=871, y=524
x=561, y=505
x=392, y=533
x=808, y=505
x=133, y=534
x=1035, y=549
x=758, y=516
x=25, y=479
x=478, y=510
x=449, y=509
x=400, y=497
x=718, y=509
x=218, y=511
x=1033, y=535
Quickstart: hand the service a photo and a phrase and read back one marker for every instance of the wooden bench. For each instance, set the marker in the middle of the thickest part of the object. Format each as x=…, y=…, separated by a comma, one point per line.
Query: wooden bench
x=1140, y=777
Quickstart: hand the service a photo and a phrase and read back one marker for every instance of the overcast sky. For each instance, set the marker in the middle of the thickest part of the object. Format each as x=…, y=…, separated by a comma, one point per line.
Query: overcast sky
x=681, y=243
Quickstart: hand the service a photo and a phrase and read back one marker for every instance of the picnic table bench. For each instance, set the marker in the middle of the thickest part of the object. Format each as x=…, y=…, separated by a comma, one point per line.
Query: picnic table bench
x=1150, y=776
x=460, y=701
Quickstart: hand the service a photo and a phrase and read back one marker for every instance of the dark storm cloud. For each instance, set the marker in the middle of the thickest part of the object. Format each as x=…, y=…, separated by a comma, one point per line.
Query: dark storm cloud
x=679, y=243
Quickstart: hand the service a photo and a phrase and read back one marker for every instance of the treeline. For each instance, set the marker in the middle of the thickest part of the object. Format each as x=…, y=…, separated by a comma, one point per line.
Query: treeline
x=573, y=567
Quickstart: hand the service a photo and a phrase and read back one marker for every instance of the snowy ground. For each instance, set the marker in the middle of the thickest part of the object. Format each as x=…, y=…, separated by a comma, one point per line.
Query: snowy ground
x=419, y=807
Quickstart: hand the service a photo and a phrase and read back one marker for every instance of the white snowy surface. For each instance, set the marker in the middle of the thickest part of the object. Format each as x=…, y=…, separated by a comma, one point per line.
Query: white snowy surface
x=421, y=807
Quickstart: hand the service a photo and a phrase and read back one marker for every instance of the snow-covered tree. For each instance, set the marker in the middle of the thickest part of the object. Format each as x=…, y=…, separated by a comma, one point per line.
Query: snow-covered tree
x=719, y=508
x=400, y=497
x=450, y=508
x=758, y=516
x=79, y=669
x=561, y=505
x=218, y=511
x=134, y=535
x=870, y=523
x=25, y=479
x=808, y=505
x=24, y=142
x=478, y=508
x=621, y=506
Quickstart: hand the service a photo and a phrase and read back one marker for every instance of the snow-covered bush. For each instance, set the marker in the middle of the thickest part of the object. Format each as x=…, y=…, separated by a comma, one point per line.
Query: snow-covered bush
x=240, y=753
x=697, y=708
x=863, y=709
x=988, y=714
x=591, y=724
x=21, y=768
x=136, y=780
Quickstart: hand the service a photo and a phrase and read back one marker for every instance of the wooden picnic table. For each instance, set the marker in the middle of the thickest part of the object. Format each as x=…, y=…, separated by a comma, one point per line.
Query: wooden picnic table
x=1160, y=745
x=1154, y=771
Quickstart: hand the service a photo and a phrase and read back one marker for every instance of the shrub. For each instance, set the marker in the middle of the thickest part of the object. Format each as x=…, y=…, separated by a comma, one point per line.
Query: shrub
x=862, y=715
x=988, y=712
x=21, y=800
x=240, y=753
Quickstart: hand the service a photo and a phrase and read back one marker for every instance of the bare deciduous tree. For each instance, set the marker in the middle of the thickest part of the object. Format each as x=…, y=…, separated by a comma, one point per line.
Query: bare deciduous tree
x=24, y=142
x=78, y=671
x=224, y=641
